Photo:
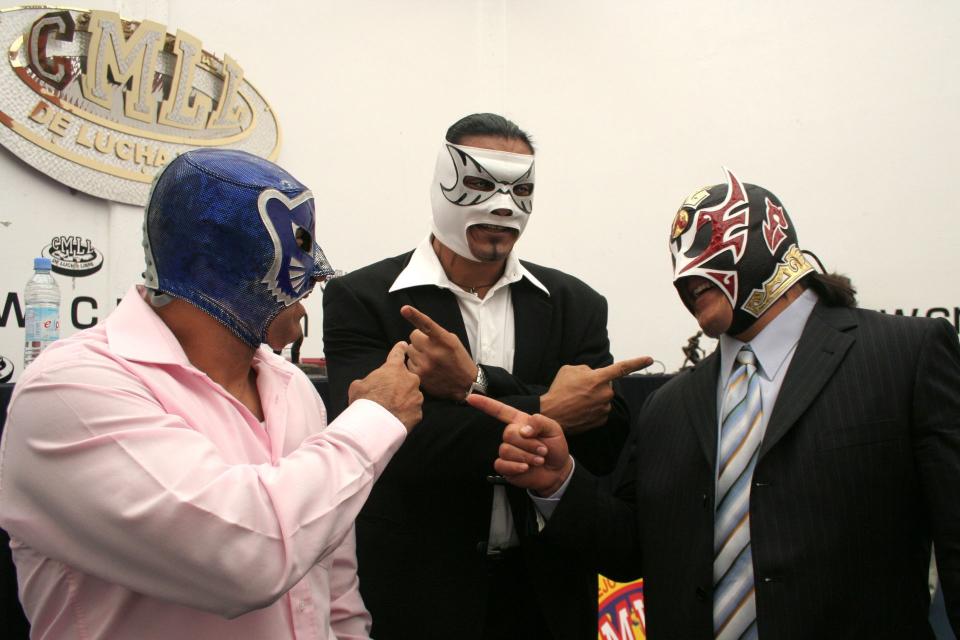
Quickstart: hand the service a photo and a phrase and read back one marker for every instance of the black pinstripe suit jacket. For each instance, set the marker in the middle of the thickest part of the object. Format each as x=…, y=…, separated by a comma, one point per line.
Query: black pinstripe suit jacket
x=859, y=469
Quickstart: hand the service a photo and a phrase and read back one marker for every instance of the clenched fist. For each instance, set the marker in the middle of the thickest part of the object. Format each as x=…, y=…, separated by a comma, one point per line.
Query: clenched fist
x=393, y=387
x=534, y=453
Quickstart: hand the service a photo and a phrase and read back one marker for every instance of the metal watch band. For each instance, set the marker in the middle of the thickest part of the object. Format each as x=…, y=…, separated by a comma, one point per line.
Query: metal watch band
x=479, y=385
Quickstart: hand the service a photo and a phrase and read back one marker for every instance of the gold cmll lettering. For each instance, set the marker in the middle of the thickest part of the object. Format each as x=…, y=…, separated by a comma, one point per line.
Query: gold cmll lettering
x=228, y=110
x=135, y=58
x=179, y=110
x=128, y=59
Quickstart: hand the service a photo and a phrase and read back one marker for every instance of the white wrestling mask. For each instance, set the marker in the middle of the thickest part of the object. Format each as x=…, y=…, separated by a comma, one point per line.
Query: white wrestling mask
x=470, y=183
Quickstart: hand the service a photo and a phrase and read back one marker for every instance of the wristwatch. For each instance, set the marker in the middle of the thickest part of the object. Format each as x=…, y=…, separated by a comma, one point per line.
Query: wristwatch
x=480, y=384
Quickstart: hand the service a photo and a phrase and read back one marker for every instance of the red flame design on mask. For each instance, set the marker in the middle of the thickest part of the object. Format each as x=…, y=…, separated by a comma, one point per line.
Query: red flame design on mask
x=773, y=226
x=729, y=227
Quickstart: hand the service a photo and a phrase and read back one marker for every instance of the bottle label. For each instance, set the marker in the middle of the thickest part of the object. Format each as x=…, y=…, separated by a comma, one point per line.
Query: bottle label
x=42, y=325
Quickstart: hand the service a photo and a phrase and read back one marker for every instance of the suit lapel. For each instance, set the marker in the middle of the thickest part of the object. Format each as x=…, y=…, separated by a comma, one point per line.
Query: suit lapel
x=441, y=305
x=532, y=316
x=821, y=349
x=702, y=405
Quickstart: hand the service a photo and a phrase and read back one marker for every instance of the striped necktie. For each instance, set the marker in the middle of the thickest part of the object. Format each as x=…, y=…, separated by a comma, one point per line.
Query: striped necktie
x=734, y=605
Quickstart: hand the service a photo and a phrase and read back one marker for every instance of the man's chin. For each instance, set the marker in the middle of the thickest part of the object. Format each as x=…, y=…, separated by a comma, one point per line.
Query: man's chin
x=711, y=332
x=712, y=325
x=495, y=253
x=491, y=249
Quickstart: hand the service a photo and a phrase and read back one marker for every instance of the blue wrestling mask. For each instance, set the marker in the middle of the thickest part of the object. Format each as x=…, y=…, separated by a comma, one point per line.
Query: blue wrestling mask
x=232, y=234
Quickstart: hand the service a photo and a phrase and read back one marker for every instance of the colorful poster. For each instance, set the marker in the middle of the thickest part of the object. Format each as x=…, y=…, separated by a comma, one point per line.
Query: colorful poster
x=621, y=615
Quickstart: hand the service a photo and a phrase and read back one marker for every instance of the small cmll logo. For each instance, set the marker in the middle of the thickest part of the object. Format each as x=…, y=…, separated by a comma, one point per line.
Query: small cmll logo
x=622, y=615
x=101, y=103
x=73, y=256
x=6, y=369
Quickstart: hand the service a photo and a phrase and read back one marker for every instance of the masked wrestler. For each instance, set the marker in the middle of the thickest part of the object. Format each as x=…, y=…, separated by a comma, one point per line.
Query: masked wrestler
x=166, y=476
x=442, y=546
x=790, y=484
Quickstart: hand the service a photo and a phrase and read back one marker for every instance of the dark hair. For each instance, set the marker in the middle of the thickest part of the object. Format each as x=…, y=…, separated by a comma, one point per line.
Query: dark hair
x=834, y=289
x=486, y=124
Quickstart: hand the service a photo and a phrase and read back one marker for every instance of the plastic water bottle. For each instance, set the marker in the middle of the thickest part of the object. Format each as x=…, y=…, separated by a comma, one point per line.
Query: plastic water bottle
x=42, y=310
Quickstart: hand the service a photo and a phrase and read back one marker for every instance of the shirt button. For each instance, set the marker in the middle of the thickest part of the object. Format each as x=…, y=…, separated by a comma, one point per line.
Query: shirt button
x=301, y=606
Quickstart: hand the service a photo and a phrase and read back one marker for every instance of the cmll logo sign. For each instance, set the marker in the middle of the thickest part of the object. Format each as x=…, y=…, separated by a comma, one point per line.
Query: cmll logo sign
x=101, y=103
x=73, y=256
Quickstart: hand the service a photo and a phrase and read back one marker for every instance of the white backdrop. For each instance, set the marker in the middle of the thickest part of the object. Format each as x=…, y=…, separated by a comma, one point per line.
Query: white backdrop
x=847, y=111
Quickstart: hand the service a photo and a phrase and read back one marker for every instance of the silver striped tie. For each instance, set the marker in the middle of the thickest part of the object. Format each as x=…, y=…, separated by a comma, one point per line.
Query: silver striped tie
x=734, y=606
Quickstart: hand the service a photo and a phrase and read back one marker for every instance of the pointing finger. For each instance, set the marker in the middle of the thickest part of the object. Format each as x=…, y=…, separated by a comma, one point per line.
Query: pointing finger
x=496, y=409
x=420, y=320
x=397, y=353
x=623, y=368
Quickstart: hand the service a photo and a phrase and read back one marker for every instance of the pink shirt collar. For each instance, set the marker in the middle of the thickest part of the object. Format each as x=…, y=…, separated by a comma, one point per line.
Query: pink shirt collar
x=135, y=318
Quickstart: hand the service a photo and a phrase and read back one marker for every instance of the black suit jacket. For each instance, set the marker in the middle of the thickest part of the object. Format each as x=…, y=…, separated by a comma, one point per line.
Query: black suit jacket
x=421, y=538
x=858, y=470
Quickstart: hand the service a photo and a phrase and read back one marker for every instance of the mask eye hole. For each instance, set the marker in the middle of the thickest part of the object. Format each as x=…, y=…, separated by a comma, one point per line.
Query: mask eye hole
x=700, y=241
x=524, y=190
x=303, y=238
x=477, y=184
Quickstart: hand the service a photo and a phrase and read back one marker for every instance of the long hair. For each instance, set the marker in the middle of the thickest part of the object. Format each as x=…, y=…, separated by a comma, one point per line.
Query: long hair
x=834, y=289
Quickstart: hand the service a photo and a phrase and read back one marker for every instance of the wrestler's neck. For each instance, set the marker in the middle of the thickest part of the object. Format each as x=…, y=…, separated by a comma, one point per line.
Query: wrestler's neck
x=477, y=277
x=213, y=349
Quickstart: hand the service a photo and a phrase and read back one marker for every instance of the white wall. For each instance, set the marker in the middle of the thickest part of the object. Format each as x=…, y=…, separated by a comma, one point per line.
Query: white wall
x=847, y=111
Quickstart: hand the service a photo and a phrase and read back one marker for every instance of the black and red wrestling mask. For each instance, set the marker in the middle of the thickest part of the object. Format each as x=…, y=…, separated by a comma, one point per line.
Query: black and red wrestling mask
x=740, y=239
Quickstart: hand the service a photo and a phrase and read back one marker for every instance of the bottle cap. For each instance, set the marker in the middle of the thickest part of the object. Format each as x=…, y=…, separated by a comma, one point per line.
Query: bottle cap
x=41, y=264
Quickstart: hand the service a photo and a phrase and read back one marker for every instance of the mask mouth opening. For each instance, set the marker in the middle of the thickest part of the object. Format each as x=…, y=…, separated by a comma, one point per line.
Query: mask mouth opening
x=692, y=287
x=489, y=226
x=681, y=286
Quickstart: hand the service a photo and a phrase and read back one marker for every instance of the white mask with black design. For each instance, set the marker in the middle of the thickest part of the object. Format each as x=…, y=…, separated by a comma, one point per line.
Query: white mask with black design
x=470, y=183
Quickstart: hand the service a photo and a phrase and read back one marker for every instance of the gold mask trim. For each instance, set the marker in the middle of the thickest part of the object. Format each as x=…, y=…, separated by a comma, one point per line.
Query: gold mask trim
x=696, y=198
x=793, y=267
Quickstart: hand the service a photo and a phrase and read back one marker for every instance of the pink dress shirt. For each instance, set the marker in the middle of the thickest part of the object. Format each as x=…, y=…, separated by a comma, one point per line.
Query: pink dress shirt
x=143, y=501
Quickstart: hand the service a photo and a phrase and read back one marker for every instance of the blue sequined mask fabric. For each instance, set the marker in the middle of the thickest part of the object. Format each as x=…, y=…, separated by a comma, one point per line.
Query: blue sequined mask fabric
x=234, y=235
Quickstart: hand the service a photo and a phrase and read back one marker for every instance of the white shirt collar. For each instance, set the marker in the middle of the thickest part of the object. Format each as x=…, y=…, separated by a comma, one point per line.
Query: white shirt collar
x=424, y=268
x=775, y=341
